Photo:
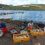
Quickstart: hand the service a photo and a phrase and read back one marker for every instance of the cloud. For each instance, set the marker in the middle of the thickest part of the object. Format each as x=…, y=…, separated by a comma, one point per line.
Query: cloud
x=20, y=2
x=41, y=1
x=5, y=1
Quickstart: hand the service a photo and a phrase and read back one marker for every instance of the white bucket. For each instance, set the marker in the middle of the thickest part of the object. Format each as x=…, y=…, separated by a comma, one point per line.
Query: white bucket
x=1, y=33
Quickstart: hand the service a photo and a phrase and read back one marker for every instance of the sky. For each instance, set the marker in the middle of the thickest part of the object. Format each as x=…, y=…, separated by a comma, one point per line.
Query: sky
x=21, y=2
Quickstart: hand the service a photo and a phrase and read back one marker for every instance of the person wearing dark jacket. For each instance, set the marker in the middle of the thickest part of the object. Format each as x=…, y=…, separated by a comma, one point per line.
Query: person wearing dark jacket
x=3, y=26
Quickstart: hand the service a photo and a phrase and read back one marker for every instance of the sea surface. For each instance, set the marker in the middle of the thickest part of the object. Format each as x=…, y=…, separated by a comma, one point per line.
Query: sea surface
x=38, y=16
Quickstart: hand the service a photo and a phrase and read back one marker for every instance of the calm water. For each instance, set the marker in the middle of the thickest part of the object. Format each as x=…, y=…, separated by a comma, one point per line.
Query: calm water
x=24, y=15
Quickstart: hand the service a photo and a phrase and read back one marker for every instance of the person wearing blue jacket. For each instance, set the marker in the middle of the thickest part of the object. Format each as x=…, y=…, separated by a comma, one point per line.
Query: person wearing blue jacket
x=2, y=24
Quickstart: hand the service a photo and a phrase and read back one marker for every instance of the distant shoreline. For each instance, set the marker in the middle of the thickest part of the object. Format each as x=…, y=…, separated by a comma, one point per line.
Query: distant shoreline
x=34, y=7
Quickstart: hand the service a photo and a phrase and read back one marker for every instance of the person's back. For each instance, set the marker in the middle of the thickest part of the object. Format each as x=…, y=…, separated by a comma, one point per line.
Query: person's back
x=2, y=25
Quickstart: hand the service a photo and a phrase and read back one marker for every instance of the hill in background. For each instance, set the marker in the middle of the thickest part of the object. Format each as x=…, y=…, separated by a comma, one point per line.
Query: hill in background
x=23, y=7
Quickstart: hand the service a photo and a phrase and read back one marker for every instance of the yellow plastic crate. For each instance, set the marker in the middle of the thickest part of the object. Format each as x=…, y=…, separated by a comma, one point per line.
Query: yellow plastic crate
x=37, y=33
x=17, y=38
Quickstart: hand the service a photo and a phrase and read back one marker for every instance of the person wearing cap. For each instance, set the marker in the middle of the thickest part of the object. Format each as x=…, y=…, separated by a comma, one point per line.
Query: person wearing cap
x=30, y=26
